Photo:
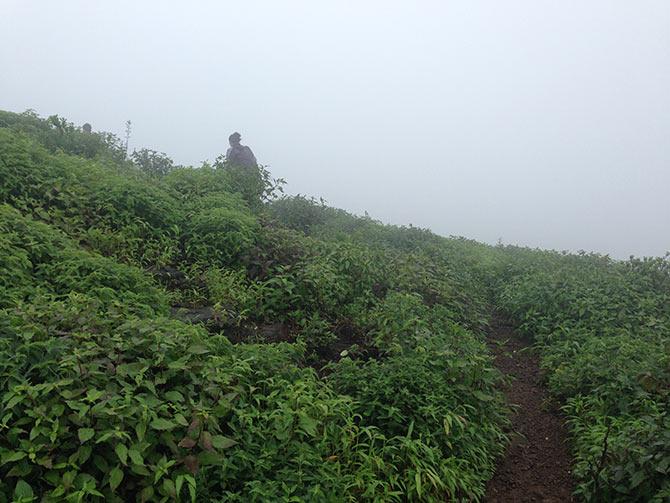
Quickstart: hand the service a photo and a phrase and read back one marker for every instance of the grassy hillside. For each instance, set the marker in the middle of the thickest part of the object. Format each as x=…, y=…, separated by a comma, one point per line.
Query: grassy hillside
x=331, y=358
x=183, y=334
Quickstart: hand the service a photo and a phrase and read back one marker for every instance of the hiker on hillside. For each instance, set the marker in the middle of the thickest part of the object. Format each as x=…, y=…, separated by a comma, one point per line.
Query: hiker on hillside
x=238, y=154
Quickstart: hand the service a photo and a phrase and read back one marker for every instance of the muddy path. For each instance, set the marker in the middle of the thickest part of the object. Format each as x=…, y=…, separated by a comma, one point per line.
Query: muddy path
x=536, y=466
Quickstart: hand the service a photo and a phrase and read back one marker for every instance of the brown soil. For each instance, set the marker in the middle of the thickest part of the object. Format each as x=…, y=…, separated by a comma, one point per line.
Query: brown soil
x=536, y=466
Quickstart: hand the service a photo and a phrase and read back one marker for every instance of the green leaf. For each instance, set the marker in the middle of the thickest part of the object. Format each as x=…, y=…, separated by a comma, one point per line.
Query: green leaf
x=9, y=457
x=169, y=487
x=85, y=453
x=68, y=478
x=162, y=424
x=115, y=477
x=178, y=483
x=180, y=419
x=141, y=430
x=85, y=434
x=146, y=494
x=20, y=470
x=198, y=349
x=23, y=490
x=140, y=470
x=13, y=401
x=135, y=457
x=221, y=442
x=94, y=394
x=637, y=479
x=482, y=396
x=122, y=452
x=308, y=425
x=174, y=396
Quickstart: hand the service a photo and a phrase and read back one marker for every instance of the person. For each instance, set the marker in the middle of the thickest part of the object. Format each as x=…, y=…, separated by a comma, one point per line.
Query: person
x=238, y=154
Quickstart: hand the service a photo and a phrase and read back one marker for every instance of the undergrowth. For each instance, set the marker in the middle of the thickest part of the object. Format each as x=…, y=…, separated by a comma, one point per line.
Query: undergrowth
x=343, y=363
x=171, y=333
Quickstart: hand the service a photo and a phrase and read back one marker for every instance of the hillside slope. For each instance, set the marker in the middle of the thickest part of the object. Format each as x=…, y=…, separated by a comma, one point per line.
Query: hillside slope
x=338, y=363
x=183, y=333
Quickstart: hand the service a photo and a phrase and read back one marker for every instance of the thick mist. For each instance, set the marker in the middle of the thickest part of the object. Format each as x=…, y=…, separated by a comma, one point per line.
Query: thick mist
x=538, y=123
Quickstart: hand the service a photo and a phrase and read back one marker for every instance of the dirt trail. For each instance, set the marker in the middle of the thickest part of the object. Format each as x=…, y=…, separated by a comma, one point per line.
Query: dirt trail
x=536, y=466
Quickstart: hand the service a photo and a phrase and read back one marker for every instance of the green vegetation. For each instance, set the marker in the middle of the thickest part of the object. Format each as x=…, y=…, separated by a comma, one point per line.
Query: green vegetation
x=604, y=331
x=172, y=333
x=343, y=362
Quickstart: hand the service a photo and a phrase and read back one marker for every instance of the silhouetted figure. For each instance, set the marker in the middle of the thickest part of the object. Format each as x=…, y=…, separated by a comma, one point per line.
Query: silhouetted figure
x=86, y=128
x=238, y=154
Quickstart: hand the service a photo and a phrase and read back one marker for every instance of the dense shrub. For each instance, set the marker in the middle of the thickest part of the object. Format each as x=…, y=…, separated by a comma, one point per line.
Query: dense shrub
x=151, y=162
x=300, y=213
x=220, y=235
x=381, y=391
x=191, y=184
x=604, y=331
x=38, y=258
x=57, y=134
x=385, y=391
x=129, y=408
x=108, y=207
x=432, y=393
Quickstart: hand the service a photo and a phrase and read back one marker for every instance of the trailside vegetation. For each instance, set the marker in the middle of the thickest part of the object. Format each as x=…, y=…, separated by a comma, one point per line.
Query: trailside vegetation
x=603, y=328
x=171, y=333
x=167, y=333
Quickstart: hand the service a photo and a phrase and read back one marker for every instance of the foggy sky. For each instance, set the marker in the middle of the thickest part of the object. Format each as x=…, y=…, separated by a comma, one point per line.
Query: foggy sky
x=541, y=123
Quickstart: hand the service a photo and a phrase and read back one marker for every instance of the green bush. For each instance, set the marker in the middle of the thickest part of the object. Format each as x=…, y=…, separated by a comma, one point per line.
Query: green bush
x=192, y=184
x=103, y=396
x=49, y=262
x=95, y=403
x=431, y=393
x=300, y=213
x=110, y=208
x=604, y=331
x=146, y=409
x=220, y=236
x=232, y=295
x=57, y=134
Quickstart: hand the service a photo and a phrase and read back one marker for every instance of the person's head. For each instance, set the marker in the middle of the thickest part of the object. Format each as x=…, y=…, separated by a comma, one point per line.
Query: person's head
x=234, y=139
